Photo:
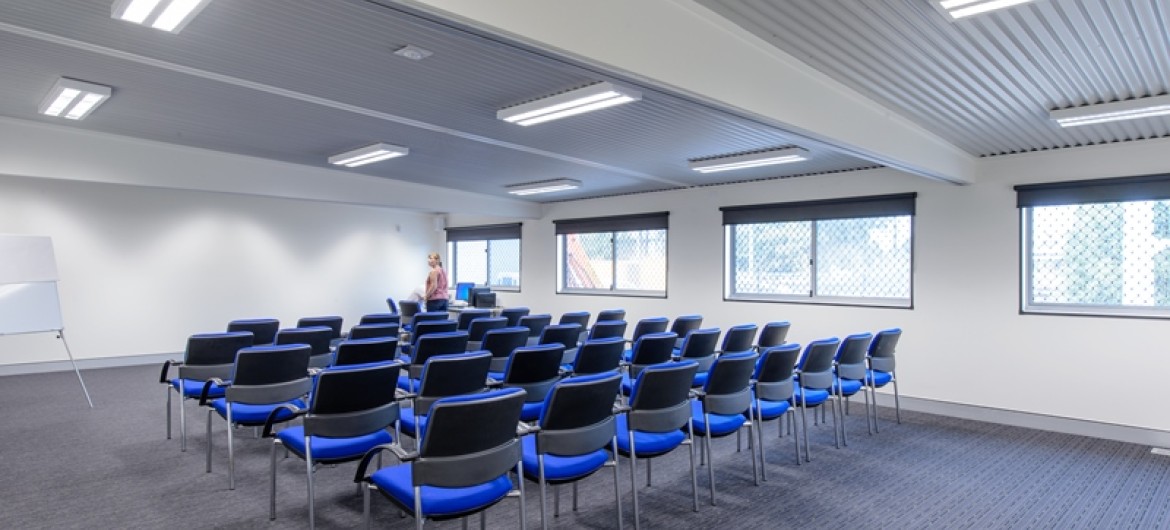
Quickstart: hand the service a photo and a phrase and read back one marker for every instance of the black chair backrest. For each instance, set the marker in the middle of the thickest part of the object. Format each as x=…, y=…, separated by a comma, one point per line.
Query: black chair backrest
x=263, y=329
x=381, y=318
x=535, y=369
x=501, y=342
x=481, y=326
x=699, y=343
x=482, y=425
x=685, y=324
x=270, y=374
x=363, y=351
x=660, y=401
x=393, y=306
x=774, y=372
x=535, y=323
x=564, y=334
x=605, y=329
x=577, y=417
x=816, y=365
x=576, y=317
x=739, y=338
x=353, y=401
x=851, y=356
x=647, y=326
x=317, y=337
x=599, y=355
x=211, y=355
x=773, y=334
x=611, y=314
x=513, y=315
x=427, y=327
x=333, y=322
x=373, y=331
x=728, y=386
x=881, y=350
x=451, y=375
x=470, y=314
x=433, y=344
x=654, y=348
x=430, y=316
x=407, y=309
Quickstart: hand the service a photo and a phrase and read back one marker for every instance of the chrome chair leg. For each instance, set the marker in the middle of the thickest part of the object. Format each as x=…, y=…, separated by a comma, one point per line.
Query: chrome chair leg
x=694, y=472
x=634, y=477
x=209, y=412
x=543, y=501
x=272, y=481
x=366, y=505
x=309, y=475
x=168, y=388
x=617, y=492
x=710, y=460
x=231, y=450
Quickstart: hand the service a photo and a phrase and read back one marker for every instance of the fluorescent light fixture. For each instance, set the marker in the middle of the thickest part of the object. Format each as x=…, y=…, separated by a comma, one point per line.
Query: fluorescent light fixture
x=744, y=161
x=73, y=99
x=368, y=155
x=545, y=186
x=1118, y=110
x=167, y=15
x=966, y=8
x=593, y=97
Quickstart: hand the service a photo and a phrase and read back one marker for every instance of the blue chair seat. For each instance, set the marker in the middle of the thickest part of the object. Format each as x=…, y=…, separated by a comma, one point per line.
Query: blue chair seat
x=246, y=414
x=498, y=376
x=327, y=449
x=879, y=378
x=560, y=468
x=627, y=355
x=848, y=387
x=406, y=422
x=192, y=388
x=813, y=397
x=404, y=382
x=531, y=411
x=396, y=482
x=627, y=384
x=647, y=444
x=770, y=409
x=721, y=424
x=700, y=379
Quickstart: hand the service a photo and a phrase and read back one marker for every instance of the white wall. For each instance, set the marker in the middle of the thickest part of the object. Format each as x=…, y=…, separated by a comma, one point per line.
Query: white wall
x=965, y=341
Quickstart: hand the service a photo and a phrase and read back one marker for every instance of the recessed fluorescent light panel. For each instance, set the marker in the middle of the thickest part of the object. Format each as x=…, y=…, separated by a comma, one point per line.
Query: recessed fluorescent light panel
x=167, y=15
x=585, y=99
x=72, y=99
x=546, y=186
x=747, y=160
x=368, y=155
x=1119, y=110
x=966, y=8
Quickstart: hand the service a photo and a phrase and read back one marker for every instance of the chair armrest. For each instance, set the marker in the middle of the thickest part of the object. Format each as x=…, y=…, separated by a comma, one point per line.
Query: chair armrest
x=162, y=378
x=313, y=372
x=523, y=429
x=207, y=389
x=621, y=409
x=403, y=395
x=268, y=423
x=492, y=383
x=401, y=454
x=698, y=394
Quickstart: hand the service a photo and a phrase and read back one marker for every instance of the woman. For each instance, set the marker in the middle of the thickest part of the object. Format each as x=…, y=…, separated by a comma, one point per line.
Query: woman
x=436, y=289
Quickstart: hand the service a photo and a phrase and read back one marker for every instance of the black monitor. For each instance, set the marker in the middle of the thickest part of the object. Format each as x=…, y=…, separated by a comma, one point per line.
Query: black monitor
x=475, y=298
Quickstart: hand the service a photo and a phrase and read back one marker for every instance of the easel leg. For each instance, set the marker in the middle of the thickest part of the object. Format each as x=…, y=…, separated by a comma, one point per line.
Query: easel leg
x=61, y=335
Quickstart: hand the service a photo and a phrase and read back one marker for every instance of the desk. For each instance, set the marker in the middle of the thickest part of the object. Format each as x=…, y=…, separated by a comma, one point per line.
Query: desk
x=454, y=312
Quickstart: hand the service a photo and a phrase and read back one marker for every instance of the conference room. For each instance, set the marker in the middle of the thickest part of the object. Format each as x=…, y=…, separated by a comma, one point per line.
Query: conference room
x=988, y=186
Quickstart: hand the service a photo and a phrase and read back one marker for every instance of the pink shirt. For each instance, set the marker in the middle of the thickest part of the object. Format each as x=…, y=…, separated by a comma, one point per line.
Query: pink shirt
x=440, y=292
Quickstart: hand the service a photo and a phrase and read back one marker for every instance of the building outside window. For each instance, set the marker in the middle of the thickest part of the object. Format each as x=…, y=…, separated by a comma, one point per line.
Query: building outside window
x=618, y=255
x=485, y=255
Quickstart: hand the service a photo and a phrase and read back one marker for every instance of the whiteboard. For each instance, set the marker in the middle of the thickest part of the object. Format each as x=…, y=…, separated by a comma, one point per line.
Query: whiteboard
x=31, y=307
x=26, y=259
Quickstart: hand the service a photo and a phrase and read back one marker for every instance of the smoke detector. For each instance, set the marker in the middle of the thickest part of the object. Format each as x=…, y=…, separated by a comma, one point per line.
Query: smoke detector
x=413, y=52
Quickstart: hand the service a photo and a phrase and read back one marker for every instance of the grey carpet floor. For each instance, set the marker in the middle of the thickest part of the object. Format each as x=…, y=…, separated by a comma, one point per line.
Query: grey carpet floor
x=66, y=466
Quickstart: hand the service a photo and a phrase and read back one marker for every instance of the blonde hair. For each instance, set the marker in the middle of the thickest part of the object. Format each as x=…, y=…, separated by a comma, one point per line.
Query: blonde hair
x=435, y=256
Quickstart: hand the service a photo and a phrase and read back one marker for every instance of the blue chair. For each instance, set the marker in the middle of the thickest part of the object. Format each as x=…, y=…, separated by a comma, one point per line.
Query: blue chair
x=468, y=315
x=424, y=328
x=366, y=351
x=581, y=318
x=699, y=346
x=849, y=376
x=333, y=322
x=566, y=335
x=647, y=326
x=430, y=345
x=373, y=331
x=208, y=356
x=535, y=369
x=575, y=427
x=318, y=338
x=685, y=324
x=381, y=318
x=444, y=376
x=407, y=309
x=773, y=334
x=814, y=377
x=655, y=348
x=599, y=356
x=263, y=329
x=393, y=306
x=501, y=342
x=513, y=315
x=739, y=338
x=348, y=415
x=453, y=475
x=657, y=421
x=721, y=405
x=535, y=325
x=264, y=379
x=479, y=327
x=611, y=314
x=773, y=394
x=605, y=329
x=881, y=368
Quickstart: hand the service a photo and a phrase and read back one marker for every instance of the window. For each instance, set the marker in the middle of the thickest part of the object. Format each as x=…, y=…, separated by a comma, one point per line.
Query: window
x=855, y=250
x=485, y=255
x=623, y=255
x=1099, y=247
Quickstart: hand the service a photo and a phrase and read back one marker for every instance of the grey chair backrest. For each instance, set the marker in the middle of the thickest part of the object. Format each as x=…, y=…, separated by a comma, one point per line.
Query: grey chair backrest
x=469, y=314
x=270, y=374
x=774, y=372
x=647, y=326
x=433, y=344
x=364, y=351
x=660, y=401
x=470, y=440
x=263, y=329
x=611, y=314
x=513, y=315
x=816, y=364
x=563, y=334
x=451, y=375
x=535, y=325
x=535, y=369
x=728, y=389
x=481, y=326
x=501, y=342
x=773, y=334
x=430, y=316
x=381, y=318
x=374, y=331
x=318, y=339
x=333, y=322
x=739, y=338
x=211, y=355
x=577, y=417
x=685, y=324
x=881, y=350
x=580, y=318
x=851, y=356
x=699, y=346
x=351, y=402
x=599, y=356
x=651, y=349
x=427, y=327
x=605, y=329
x=407, y=309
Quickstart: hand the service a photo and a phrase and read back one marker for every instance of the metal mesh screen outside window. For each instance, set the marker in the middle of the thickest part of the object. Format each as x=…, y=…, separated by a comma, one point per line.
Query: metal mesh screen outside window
x=504, y=262
x=633, y=261
x=772, y=258
x=495, y=263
